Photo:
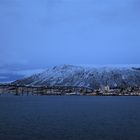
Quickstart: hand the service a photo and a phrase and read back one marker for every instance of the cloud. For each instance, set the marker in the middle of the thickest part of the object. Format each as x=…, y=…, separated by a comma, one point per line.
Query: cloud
x=15, y=73
x=35, y=34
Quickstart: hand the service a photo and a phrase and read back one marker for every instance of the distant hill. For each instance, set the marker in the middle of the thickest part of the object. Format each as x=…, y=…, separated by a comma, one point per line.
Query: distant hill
x=69, y=75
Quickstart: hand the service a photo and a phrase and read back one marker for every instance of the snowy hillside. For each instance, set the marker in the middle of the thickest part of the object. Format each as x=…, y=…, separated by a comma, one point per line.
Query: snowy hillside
x=69, y=75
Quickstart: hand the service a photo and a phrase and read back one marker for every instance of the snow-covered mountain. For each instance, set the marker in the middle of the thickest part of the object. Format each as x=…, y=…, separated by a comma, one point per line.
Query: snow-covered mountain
x=69, y=75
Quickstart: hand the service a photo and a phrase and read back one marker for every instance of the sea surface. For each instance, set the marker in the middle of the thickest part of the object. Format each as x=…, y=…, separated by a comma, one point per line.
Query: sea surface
x=69, y=118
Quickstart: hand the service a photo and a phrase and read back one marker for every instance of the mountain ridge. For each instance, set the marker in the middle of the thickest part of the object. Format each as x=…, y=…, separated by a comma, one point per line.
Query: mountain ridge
x=92, y=77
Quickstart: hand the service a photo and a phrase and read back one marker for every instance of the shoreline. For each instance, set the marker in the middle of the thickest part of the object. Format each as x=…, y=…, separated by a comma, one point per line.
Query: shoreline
x=25, y=94
x=20, y=90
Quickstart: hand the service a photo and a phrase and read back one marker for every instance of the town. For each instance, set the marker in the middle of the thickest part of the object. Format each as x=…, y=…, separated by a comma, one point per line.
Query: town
x=67, y=90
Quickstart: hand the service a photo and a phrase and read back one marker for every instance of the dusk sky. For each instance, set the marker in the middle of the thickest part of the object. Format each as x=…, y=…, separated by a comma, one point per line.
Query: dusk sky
x=35, y=34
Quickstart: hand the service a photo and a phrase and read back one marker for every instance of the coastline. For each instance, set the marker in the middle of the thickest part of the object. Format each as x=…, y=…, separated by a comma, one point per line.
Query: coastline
x=21, y=90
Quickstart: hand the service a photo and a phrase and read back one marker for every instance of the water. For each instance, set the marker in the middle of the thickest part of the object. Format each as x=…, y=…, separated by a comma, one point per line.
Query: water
x=69, y=118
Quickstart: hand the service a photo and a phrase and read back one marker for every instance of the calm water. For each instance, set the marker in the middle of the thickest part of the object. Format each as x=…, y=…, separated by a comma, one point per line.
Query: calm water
x=69, y=118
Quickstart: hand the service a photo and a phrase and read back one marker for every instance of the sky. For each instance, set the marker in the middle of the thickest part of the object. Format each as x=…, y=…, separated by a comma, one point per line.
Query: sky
x=36, y=34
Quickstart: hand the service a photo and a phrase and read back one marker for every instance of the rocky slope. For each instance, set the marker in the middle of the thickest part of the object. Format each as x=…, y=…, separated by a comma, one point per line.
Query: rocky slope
x=68, y=75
